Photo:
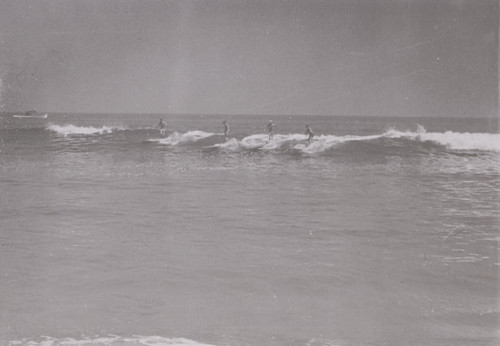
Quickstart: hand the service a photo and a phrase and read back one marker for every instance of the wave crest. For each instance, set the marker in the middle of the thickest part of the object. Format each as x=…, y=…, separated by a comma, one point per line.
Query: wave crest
x=453, y=140
x=298, y=142
x=110, y=340
x=181, y=138
x=323, y=143
x=68, y=130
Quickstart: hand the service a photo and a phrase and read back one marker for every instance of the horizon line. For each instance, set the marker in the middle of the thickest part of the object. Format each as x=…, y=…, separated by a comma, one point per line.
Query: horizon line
x=257, y=115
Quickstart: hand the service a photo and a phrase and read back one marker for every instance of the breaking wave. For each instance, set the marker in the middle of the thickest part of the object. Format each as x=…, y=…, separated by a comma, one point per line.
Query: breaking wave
x=453, y=140
x=182, y=138
x=323, y=143
x=109, y=340
x=295, y=142
x=68, y=130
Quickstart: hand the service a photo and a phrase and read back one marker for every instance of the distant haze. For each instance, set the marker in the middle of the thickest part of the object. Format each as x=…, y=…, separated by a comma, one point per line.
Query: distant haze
x=346, y=57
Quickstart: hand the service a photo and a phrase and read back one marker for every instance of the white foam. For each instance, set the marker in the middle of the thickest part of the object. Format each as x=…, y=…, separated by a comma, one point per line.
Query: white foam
x=326, y=142
x=449, y=139
x=254, y=141
x=178, y=138
x=110, y=340
x=230, y=145
x=262, y=141
x=279, y=140
x=453, y=140
x=68, y=130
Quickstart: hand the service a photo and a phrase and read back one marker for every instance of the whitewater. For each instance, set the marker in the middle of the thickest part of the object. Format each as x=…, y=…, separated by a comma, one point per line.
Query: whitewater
x=380, y=231
x=447, y=140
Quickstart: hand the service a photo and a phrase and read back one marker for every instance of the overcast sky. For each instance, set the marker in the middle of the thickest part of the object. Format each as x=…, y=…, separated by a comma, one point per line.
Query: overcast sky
x=345, y=57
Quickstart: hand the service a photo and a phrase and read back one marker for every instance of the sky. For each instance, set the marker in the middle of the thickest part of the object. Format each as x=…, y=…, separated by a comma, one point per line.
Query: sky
x=436, y=58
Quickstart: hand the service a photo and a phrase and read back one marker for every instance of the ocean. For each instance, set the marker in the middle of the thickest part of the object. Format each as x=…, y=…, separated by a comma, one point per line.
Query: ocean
x=381, y=231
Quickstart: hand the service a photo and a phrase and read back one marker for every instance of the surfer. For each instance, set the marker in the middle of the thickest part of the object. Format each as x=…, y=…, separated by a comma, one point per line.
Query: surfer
x=226, y=129
x=310, y=133
x=163, y=127
x=270, y=128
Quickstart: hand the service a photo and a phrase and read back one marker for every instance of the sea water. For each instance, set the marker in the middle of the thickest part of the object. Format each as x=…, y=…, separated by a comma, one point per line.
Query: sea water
x=381, y=231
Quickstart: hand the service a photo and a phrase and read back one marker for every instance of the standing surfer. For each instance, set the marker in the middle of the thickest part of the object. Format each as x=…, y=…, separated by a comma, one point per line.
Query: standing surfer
x=310, y=133
x=270, y=128
x=226, y=129
x=163, y=127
